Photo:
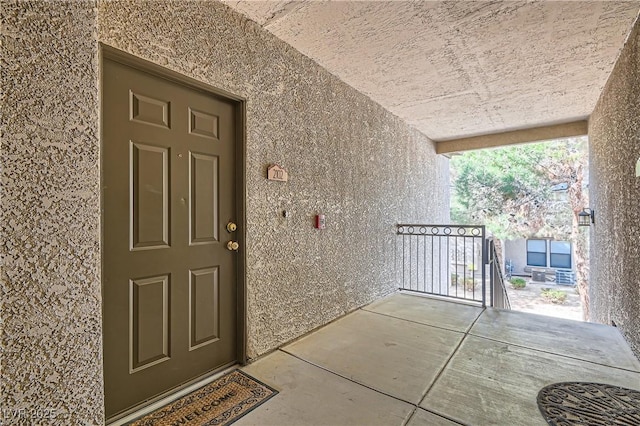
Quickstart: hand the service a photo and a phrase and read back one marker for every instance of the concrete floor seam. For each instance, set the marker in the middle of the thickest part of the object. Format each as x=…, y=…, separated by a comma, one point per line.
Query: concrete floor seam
x=415, y=406
x=444, y=367
x=414, y=322
x=346, y=378
x=553, y=353
x=468, y=330
x=410, y=416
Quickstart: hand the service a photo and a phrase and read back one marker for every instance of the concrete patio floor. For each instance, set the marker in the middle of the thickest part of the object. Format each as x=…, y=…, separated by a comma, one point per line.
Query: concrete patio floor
x=412, y=360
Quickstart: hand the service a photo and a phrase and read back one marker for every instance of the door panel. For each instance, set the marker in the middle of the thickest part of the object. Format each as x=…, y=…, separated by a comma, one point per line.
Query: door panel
x=203, y=207
x=203, y=124
x=149, y=172
x=149, y=322
x=204, y=304
x=169, y=281
x=144, y=109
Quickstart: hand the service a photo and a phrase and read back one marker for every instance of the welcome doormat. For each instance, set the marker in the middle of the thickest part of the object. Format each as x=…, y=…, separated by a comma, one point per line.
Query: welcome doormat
x=221, y=402
x=589, y=404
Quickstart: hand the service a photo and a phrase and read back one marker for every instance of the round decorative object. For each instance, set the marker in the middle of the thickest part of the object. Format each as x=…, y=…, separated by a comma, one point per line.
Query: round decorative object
x=589, y=404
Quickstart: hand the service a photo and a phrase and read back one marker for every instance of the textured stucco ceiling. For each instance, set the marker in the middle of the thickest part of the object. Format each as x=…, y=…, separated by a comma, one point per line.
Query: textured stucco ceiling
x=455, y=68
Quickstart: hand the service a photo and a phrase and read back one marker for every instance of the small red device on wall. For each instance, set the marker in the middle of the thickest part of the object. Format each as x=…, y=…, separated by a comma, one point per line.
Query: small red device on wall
x=320, y=223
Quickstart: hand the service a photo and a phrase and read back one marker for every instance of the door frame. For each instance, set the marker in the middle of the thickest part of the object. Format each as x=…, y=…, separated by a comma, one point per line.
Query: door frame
x=113, y=54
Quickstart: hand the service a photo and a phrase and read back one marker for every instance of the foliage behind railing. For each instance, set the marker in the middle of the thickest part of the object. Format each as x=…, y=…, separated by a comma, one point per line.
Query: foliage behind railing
x=443, y=260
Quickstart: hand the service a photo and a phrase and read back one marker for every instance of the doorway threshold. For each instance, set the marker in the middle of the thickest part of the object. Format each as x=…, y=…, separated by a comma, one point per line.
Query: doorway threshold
x=173, y=395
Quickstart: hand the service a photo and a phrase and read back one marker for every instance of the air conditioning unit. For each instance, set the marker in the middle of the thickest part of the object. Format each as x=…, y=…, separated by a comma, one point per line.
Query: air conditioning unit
x=565, y=277
x=538, y=275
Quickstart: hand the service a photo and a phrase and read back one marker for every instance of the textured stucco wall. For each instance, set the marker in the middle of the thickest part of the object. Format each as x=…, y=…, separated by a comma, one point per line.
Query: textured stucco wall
x=51, y=353
x=347, y=157
x=614, y=139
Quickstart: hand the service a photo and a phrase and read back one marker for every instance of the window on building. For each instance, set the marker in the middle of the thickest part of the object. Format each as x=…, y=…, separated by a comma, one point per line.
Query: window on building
x=560, y=254
x=537, y=253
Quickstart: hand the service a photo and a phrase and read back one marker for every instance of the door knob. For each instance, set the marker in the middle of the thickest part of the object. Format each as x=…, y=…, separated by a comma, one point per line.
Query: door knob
x=231, y=227
x=233, y=246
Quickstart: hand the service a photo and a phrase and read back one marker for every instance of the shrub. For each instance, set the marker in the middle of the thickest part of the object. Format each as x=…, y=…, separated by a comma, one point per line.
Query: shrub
x=518, y=283
x=469, y=284
x=454, y=279
x=554, y=296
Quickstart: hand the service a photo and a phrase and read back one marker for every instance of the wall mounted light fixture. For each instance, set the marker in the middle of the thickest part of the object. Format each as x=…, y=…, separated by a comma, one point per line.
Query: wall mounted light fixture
x=586, y=217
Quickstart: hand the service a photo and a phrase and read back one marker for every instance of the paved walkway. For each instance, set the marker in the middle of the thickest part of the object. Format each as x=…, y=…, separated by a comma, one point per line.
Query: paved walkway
x=411, y=360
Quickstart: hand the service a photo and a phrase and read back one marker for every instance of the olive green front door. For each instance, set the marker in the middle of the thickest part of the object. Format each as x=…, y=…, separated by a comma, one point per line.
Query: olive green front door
x=169, y=213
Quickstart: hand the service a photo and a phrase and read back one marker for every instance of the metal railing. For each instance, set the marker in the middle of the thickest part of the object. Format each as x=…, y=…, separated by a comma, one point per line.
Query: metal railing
x=498, y=291
x=443, y=260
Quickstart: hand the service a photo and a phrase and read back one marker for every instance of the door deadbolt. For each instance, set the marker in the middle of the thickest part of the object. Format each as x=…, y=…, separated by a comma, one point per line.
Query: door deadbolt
x=233, y=246
x=231, y=227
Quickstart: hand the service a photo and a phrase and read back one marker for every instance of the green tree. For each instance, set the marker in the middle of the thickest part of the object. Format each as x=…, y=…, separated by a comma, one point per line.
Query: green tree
x=524, y=191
